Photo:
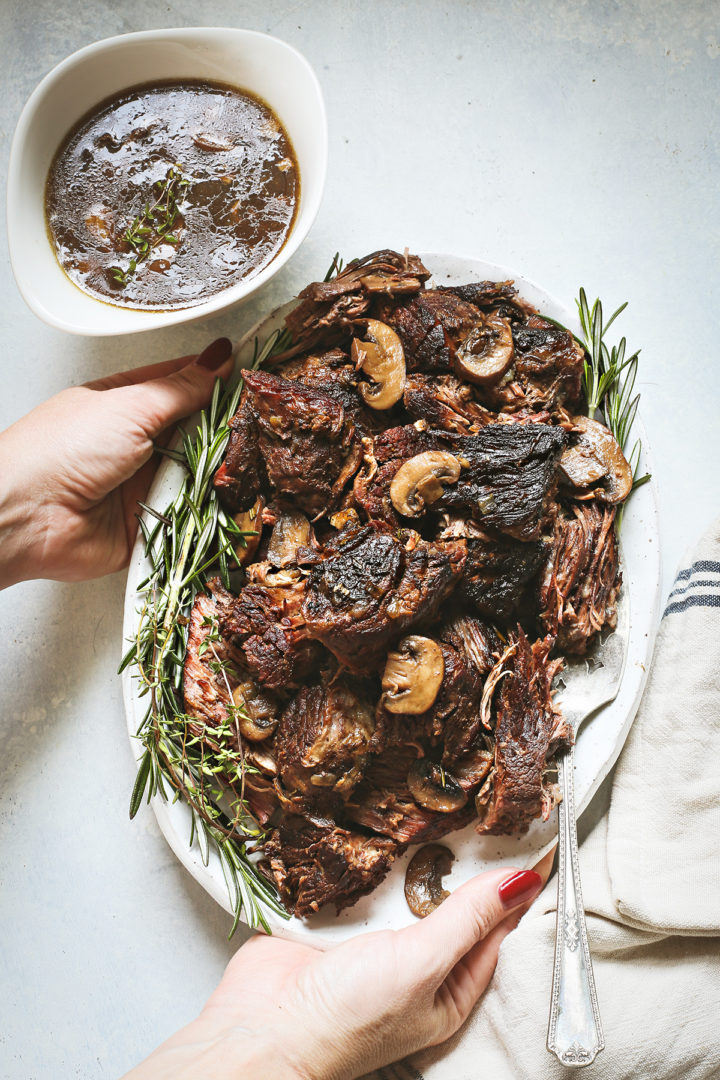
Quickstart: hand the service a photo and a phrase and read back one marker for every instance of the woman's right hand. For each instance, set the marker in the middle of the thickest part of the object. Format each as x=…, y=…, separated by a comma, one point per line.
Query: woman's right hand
x=284, y=1010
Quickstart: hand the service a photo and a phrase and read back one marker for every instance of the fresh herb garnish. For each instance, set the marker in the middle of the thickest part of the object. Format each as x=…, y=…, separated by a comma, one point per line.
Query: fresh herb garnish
x=334, y=268
x=154, y=226
x=202, y=764
x=609, y=379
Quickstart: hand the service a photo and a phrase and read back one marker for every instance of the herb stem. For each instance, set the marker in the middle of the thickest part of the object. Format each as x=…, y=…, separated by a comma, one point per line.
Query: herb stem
x=609, y=377
x=202, y=763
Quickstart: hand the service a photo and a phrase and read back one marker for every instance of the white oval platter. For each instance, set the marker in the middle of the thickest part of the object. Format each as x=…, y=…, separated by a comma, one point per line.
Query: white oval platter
x=600, y=739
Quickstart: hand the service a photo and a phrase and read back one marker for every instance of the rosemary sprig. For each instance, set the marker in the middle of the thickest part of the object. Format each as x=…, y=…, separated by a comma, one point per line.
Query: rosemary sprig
x=155, y=224
x=334, y=268
x=609, y=378
x=185, y=758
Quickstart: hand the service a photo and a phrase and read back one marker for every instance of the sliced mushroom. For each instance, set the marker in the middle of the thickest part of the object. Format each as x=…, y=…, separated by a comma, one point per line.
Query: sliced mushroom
x=290, y=531
x=381, y=357
x=580, y=468
x=257, y=715
x=423, y=879
x=487, y=353
x=435, y=788
x=597, y=456
x=250, y=523
x=419, y=481
x=412, y=676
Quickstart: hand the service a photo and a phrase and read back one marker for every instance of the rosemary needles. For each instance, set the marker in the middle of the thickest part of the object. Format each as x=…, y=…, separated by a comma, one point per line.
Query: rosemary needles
x=186, y=543
x=609, y=378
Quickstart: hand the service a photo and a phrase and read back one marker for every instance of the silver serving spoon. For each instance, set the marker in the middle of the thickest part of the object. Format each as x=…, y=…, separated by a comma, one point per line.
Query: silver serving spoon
x=575, y=1033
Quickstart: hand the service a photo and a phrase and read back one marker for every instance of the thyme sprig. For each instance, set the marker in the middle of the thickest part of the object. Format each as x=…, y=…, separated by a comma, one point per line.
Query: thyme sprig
x=154, y=226
x=609, y=378
x=203, y=764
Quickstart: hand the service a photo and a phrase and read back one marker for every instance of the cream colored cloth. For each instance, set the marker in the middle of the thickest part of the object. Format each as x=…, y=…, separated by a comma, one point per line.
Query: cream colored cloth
x=651, y=883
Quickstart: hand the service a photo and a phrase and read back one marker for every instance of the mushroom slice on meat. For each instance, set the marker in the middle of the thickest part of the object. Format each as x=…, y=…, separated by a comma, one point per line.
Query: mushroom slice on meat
x=423, y=879
x=290, y=532
x=487, y=352
x=597, y=456
x=250, y=523
x=257, y=714
x=413, y=675
x=419, y=481
x=435, y=788
x=381, y=357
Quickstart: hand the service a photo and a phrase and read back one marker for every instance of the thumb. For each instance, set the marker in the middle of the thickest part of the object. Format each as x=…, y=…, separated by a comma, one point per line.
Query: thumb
x=159, y=403
x=466, y=917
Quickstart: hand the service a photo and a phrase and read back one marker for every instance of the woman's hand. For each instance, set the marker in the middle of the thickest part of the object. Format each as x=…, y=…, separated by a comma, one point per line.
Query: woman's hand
x=72, y=470
x=285, y=1011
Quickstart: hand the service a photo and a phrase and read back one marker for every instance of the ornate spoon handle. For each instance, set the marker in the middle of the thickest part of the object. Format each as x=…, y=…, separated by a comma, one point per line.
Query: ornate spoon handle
x=574, y=1033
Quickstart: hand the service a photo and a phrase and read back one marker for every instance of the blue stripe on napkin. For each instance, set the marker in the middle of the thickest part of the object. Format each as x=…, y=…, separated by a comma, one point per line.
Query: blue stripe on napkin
x=681, y=597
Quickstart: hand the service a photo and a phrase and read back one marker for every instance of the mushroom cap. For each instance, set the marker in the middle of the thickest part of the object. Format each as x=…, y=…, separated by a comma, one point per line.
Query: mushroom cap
x=423, y=878
x=487, y=352
x=413, y=675
x=596, y=456
x=381, y=358
x=290, y=531
x=256, y=715
x=434, y=787
x=249, y=522
x=419, y=481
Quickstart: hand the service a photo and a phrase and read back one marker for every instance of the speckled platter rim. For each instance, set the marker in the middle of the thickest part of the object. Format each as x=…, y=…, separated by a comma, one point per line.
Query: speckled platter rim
x=600, y=740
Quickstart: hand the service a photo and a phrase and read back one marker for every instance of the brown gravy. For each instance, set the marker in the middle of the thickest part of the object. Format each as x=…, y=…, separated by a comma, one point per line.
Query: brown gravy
x=201, y=173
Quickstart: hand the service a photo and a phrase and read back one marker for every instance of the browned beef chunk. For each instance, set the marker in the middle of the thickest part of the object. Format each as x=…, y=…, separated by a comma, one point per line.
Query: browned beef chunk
x=528, y=731
x=456, y=316
x=305, y=437
x=497, y=573
x=240, y=477
x=331, y=368
x=469, y=651
x=453, y=722
x=384, y=455
x=328, y=309
x=204, y=690
x=267, y=626
x=509, y=477
x=371, y=588
x=323, y=738
x=496, y=296
x=548, y=370
x=316, y=864
x=444, y=402
x=333, y=372
x=205, y=693
x=430, y=327
x=383, y=803
x=579, y=588
x=550, y=357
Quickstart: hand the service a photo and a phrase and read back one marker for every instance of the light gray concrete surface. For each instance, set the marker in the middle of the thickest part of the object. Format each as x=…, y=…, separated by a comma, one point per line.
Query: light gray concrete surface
x=576, y=142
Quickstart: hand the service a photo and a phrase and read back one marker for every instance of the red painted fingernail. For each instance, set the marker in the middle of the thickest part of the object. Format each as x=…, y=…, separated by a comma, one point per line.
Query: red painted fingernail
x=518, y=889
x=215, y=355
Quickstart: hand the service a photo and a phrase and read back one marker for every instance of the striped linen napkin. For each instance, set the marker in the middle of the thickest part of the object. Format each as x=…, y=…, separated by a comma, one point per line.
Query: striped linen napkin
x=651, y=883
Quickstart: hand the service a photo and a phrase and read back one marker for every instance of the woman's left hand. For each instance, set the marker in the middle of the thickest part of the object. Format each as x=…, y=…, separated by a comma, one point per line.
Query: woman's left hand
x=72, y=470
x=284, y=1011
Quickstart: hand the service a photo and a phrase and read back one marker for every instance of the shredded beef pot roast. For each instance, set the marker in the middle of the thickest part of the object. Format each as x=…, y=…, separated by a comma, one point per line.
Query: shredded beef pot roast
x=444, y=560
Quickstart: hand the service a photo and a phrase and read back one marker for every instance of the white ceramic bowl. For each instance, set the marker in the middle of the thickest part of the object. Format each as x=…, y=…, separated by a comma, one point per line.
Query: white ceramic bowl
x=263, y=65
